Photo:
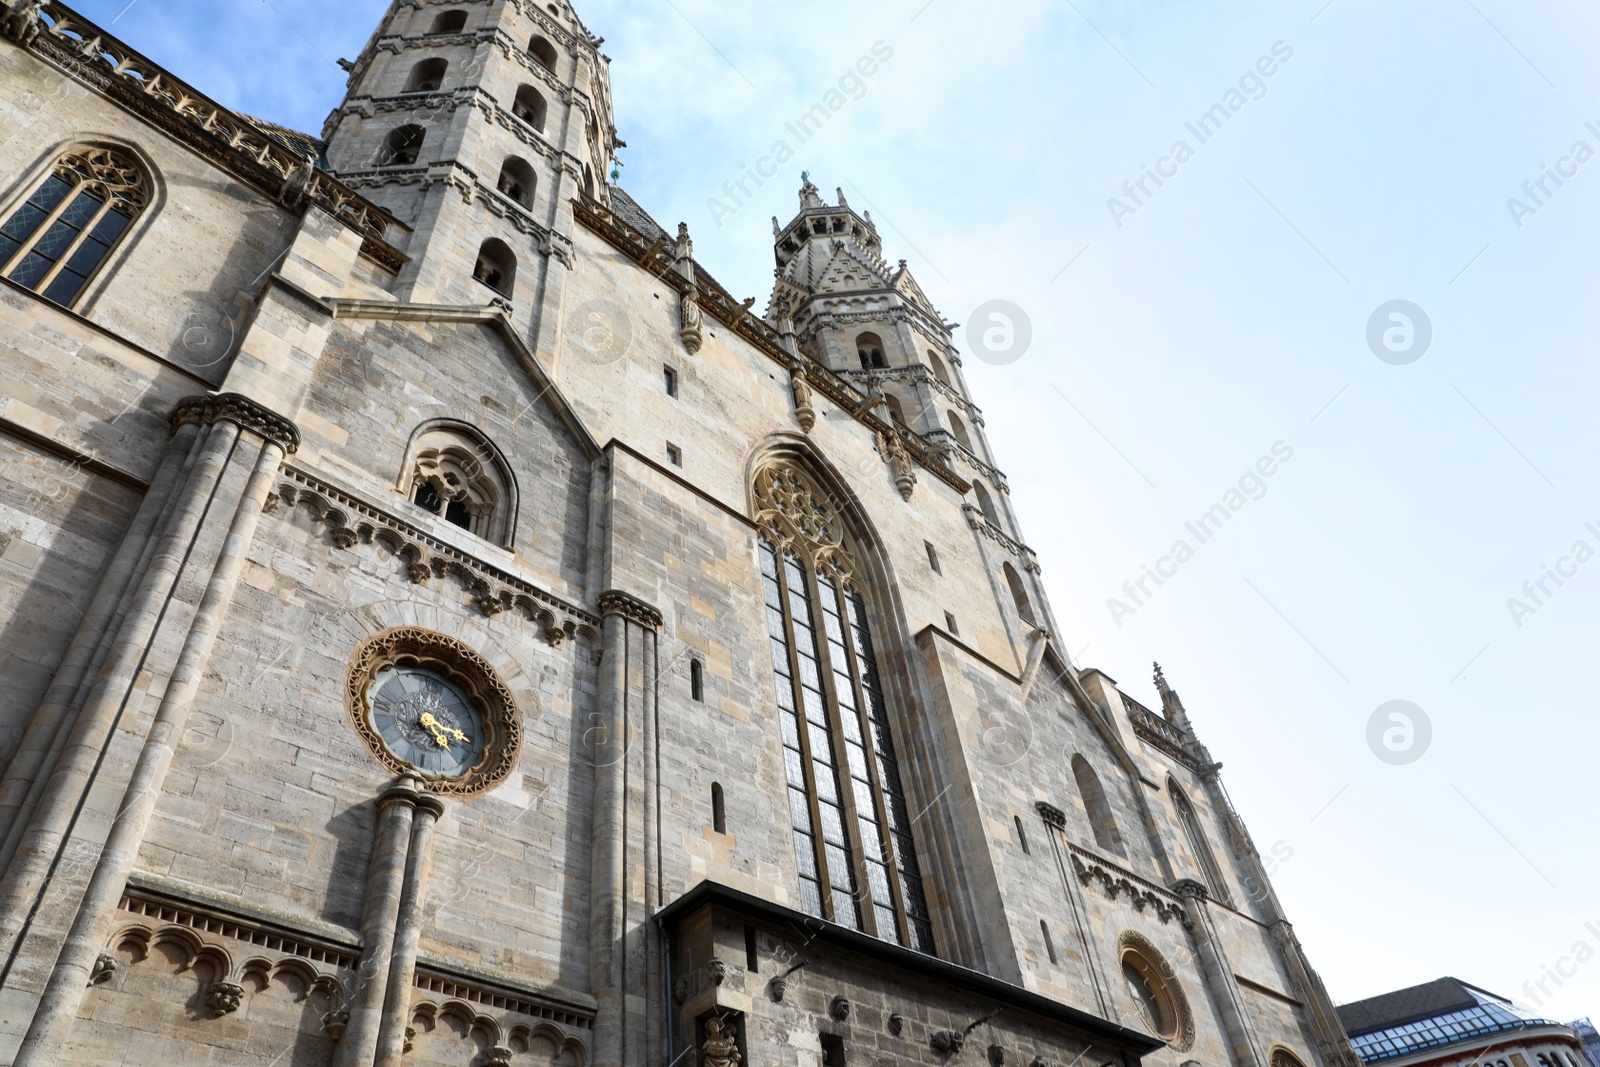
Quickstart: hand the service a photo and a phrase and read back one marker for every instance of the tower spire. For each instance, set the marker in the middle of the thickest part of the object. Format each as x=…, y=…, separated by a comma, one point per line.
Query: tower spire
x=1171, y=705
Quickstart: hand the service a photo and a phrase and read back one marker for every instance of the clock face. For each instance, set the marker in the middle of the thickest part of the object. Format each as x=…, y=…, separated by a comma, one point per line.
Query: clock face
x=427, y=720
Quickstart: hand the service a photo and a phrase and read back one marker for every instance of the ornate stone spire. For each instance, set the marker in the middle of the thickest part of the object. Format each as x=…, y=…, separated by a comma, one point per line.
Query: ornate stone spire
x=1171, y=705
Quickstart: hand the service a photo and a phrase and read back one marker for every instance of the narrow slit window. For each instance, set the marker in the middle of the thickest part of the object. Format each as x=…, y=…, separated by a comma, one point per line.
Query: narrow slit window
x=1049, y=945
x=933, y=557
x=752, y=960
x=950, y=624
x=674, y=455
x=669, y=378
x=61, y=236
x=1022, y=835
x=719, y=814
x=697, y=680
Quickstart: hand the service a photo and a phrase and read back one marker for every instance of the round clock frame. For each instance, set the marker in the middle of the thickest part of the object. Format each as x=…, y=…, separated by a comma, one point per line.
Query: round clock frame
x=461, y=666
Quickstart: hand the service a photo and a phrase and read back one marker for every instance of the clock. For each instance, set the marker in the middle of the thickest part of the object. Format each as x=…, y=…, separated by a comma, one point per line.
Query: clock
x=427, y=721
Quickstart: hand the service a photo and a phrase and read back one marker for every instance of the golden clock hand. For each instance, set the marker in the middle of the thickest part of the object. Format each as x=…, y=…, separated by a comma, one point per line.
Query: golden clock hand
x=458, y=735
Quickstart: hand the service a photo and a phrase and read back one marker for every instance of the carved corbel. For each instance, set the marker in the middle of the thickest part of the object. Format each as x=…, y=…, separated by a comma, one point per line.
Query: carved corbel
x=905, y=472
x=804, y=412
x=21, y=21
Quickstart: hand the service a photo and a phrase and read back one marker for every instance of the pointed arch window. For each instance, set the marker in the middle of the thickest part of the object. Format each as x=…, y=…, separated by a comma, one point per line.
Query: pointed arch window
x=1019, y=594
x=1199, y=845
x=530, y=107
x=458, y=475
x=63, y=233
x=852, y=832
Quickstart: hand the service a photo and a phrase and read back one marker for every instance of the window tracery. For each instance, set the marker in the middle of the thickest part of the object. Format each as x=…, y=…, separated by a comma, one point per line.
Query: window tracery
x=66, y=229
x=852, y=832
x=463, y=479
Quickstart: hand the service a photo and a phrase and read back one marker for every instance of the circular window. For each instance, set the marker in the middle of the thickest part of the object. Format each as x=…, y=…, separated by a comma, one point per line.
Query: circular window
x=430, y=707
x=1146, y=996
x=1153, y=986
x=426, y=720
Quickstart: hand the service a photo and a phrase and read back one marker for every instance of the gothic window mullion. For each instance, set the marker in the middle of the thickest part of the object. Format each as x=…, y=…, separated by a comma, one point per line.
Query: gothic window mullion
x=75, y=243
x=841, y=695
x=798, y=766
x=887, y=898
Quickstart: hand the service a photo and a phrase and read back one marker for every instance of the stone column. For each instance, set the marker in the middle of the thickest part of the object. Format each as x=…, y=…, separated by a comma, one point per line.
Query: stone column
x=380, y=912
x=41, y=841
x=608, y=740
x=47, y=732
x=408, y=932
x=1219, y=974
x=1056, y=821
x=64, y=993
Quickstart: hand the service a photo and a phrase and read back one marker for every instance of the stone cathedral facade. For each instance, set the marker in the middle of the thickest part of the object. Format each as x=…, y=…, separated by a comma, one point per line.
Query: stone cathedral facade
x=443, y=625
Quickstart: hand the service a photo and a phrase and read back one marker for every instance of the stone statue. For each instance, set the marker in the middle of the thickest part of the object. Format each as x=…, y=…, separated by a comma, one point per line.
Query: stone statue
x=720, y=1049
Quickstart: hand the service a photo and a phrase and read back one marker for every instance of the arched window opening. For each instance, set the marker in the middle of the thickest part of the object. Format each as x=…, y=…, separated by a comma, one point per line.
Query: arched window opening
x=543, y=51
x=1022, y=836
x=458, y=475
x=1049, y=945
x=869, y=349
x=939, y=370
x=958, y=430
x=401, y=146
x=719, y=814
x=530, y=107
x=1019, y=595
x=1209, y=871
x=986, y=503
x=449, y=22
x=697, y=680
x=64, y=232
x=496, y=266
x=427, y=76
x=1101, y=821
x=1282, y=1057
x=517, y=181
x=897, y=413
x=846, y=805
x=1145, y=986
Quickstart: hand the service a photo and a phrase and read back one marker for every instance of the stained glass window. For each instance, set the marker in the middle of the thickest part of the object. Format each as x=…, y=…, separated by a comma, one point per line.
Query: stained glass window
x=62, y=234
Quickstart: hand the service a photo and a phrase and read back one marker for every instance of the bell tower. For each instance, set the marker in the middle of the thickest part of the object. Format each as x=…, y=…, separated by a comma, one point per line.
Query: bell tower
x=874, y=326
x=477, y=124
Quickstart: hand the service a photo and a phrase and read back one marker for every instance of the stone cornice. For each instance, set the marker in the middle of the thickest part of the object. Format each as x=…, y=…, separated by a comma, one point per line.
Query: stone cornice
x=351, y=521
x=1115, y=880
x=220, y=136
x=978, y=521
x=243, y=412
x=656, y=257
x=630, y=607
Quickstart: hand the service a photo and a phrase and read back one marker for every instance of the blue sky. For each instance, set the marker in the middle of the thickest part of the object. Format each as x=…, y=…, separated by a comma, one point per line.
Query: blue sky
x=1175, y=346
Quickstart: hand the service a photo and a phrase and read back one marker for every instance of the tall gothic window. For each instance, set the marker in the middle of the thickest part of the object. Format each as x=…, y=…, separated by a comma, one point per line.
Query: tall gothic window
x=1199, y=845
x=852, y=834
x=62, y=234
x=459, y=475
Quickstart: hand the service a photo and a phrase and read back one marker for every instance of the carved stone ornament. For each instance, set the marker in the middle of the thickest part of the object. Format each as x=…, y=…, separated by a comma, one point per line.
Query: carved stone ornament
x=797, y=516
x=1039, y=1061
x=1163, y=978
x=1114, y=882
x=224, y=998
x=498, y=1056
x=716, y=970
x=19, y=20
x=691, y=324
x=630, y=607
x=804, y=411
x=905, y=472
x=839, y=1008
x=105, y=965
x=720, y=1048
x=897, y=1024
x=1053, y=816
x=410, y=646
x=334, y=1023
x=680, y=989
x=997, y=1056
x=777, y=987
x=411, y=1039
x=947, y=1042
x=243, y=412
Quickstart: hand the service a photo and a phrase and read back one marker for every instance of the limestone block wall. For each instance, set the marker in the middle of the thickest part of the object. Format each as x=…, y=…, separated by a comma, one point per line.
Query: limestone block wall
x=204, y=241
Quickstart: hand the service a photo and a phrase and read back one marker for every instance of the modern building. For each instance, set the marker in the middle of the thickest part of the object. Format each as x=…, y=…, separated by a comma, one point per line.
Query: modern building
x=1448, y=1022
x=444, y=625
x=1591, y=1040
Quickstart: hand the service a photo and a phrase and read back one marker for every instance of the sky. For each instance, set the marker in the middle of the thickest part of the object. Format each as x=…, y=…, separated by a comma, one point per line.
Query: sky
x=1427, y=473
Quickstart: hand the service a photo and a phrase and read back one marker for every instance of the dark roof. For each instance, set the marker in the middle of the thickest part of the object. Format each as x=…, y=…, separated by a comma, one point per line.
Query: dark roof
x=628, y=210
x=302, y=144
x=1438, y=997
